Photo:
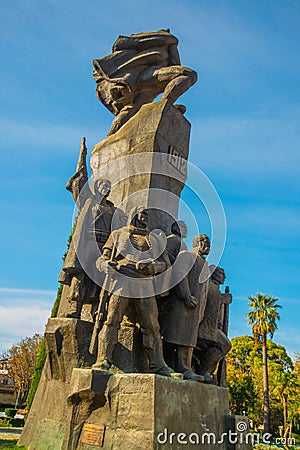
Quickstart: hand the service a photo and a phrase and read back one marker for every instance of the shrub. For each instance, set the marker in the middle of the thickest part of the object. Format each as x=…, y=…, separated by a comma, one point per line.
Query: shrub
x=11, y=445
x=5, y=423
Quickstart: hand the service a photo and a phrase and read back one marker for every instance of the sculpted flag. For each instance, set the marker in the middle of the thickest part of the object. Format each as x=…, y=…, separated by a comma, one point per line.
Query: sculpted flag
x=117, y=75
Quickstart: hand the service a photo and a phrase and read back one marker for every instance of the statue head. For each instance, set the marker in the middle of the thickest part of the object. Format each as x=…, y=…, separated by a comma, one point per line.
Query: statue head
x=100, y=187
x=183, y=228
x=217, y=274
x=175, y=229
x=179, y=228
x=202, y=243
x=138, y=217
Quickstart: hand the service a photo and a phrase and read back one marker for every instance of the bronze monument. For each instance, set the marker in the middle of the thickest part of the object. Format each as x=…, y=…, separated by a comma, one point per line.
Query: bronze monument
x=150, y=355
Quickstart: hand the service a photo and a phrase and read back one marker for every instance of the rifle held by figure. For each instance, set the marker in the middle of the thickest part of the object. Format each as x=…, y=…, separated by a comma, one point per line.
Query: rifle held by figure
x=102, y=308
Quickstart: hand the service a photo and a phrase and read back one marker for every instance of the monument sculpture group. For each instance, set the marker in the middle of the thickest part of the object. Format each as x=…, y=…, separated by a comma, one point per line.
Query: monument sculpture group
x=140, y=339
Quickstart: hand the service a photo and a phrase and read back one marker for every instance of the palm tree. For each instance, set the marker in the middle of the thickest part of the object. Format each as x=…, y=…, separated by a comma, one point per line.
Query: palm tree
x=262, y=318
x=287, y=387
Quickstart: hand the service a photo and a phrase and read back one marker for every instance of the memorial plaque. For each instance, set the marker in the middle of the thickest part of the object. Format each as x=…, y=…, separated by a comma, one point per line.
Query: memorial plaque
x=92, y=434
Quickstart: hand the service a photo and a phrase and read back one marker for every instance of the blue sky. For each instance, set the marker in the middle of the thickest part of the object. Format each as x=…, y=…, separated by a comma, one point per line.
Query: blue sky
x=244, y=111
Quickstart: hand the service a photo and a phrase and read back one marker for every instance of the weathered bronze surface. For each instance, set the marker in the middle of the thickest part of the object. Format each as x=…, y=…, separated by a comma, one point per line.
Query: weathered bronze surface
x=141, y=66
x=92, y=229
x=186, y=306
x=135, y=262
x=212, y=342
x=156, y=306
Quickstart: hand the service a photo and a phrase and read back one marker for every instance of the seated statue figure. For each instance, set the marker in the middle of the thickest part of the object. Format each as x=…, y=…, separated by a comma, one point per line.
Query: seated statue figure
x=213, y=343
x=141, y=67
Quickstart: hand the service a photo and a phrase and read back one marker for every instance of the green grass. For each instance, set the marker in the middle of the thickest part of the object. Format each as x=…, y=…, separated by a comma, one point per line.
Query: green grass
x=11, y=444
x=265, y=447
x=297, y=437
x=270, y=447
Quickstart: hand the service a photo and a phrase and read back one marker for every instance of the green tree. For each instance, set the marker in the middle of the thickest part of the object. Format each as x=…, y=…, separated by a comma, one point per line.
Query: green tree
x=244, y=382
x=287, y=388
x=22, y=359
x=242, y=362
x=263, y=319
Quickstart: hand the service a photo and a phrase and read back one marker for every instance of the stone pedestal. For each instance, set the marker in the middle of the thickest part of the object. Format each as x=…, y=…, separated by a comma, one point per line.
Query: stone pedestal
x=67, y=348
x=75, y=405
x=146, y=161
x=132, y=411
x=67, y=342
x=143, y=411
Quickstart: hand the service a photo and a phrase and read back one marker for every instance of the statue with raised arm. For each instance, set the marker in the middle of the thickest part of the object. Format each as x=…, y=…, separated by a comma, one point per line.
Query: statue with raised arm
x=186, y=306
x=213, y=343
x=141, y=67
x=93, y=227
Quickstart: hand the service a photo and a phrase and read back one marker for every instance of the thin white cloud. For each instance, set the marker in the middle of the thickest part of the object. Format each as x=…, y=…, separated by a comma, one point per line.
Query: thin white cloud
x=23, y=321
x=26, y=291
x=18, y=322
x=23, y=312
x=17, y=296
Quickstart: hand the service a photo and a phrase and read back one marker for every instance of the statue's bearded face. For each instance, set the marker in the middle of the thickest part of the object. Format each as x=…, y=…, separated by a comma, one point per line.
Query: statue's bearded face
x=204, y=246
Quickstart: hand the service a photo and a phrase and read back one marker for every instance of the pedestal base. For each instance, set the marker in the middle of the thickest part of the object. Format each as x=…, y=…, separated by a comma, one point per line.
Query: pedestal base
x=80, y=408
x=132, y=411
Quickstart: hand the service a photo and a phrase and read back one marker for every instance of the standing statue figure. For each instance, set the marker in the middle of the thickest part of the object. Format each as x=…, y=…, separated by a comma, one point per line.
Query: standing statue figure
x=139, y=256
x=186, y=307
x=175, y=242
x=93, y=227
x=175, y=245
x=141, y=67
x=213, y=343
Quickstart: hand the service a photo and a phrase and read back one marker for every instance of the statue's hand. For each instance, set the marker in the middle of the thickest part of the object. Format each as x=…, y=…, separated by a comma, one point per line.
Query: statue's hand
x=107, y=267
x=190, y=301
x=111, y=267
x=227, y=298
x=150, y=267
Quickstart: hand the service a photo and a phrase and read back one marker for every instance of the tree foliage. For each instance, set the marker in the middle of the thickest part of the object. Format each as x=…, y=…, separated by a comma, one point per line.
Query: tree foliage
x=22, y=359
x=244, y=381
x=42, y=355
x=263, y=316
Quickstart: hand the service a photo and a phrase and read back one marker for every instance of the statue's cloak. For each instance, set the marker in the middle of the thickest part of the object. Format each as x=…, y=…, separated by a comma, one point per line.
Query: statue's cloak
x=131, y=56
